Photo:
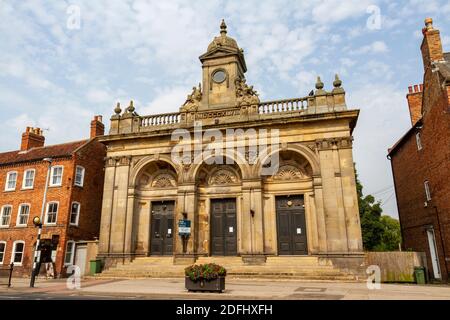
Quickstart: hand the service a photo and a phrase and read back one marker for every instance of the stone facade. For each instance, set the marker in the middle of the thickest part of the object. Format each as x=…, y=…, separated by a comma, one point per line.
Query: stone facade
x=421, y=157
x=313, y=142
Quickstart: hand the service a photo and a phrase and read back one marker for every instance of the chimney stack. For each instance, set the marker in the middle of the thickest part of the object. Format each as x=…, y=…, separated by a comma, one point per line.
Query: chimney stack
x=414, y=98
x=32, y=138
x=431, y=45
x=97, y=127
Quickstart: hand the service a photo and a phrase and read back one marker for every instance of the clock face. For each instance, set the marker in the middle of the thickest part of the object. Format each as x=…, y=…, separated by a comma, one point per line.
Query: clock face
x=219, y=76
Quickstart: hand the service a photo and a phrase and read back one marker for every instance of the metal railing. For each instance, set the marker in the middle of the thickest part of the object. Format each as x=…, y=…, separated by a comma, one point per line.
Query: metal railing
x=6, y=275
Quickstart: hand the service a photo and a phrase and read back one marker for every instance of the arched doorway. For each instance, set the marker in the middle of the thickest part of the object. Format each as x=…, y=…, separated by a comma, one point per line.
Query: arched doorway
x=219, y=195
x=155, y=230
x=288, y=190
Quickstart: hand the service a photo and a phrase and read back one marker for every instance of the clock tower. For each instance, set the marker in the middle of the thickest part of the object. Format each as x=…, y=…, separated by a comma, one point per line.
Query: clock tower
x=223, y=67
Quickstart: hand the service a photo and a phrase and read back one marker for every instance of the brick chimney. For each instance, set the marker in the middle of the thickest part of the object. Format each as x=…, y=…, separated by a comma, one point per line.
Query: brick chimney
x=431, y=45
x=97, y=127
x=32, y=138
x=414, y=98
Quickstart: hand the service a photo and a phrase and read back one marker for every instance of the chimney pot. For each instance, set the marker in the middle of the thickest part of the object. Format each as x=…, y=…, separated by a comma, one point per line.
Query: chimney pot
x=410, y=89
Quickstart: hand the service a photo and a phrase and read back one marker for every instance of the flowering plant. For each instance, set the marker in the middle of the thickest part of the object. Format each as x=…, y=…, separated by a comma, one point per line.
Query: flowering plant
x=207, y=271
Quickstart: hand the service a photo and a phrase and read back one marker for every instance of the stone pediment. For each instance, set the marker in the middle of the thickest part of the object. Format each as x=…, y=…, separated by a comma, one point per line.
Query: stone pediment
x=221, y=51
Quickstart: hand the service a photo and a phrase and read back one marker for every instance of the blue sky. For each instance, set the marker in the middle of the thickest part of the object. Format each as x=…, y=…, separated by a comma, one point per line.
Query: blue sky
x=57, y=77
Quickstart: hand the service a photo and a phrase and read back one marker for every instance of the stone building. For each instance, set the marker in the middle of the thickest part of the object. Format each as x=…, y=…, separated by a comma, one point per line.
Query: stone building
x=72, y=210
x=421, y=160
x=256, y=179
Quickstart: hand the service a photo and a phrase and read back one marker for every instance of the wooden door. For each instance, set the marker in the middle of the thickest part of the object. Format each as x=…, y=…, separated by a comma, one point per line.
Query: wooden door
x=291, y=225
x=162, y=228
x=223, y=227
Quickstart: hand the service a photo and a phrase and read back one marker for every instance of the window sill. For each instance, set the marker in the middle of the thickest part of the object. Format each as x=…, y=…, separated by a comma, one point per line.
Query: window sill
x=25, y=189
x=9, y=190
x=50, y=224
x=21, y=225
x=55, y=185
x=4, y=227
x=79, y=186
x=73, y=225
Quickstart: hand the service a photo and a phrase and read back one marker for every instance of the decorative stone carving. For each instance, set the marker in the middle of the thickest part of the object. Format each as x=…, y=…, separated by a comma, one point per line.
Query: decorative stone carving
x=339, y=143
x=223, y=176
x=245, y=95
x=163, y=180
x=193, y=100
x=289, y=172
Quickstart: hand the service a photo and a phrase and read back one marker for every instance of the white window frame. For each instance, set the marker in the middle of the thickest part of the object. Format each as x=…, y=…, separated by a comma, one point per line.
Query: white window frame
x=418, y=141
x=14, y=252
x=25, y=179
x=1, y=215
x=80, y=184
x=18, y=224
x=78, y=213
x=8, y=177
x=426, y=184
x=46, y=214
x=4, y=252
x=72, y=254
x=52, y=172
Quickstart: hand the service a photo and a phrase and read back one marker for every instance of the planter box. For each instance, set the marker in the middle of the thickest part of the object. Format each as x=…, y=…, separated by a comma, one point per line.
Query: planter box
x=216, y=285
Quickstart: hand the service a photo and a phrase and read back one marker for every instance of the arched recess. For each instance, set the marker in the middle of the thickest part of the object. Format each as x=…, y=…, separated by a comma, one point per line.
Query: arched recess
x=144, y=162
x=155, y=183
x=302, y=150
x=230, y=157
x=219, y=197
x=288, y=197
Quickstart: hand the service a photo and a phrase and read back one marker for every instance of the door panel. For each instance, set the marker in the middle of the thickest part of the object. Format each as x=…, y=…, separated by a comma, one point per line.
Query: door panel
x=291, y=225
x=223, y=227
x=162, y=229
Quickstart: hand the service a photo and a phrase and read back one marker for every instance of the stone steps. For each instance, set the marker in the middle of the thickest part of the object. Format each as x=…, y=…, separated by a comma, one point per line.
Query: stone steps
x=300, y=267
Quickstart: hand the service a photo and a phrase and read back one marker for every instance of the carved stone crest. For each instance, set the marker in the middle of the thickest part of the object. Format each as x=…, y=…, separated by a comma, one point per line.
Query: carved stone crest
x=245, y=95
x=193, y=100
x=223, y=176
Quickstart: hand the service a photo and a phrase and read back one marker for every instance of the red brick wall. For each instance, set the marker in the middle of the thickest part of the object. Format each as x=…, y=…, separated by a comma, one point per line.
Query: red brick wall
x=91, y=158
x=412, y=167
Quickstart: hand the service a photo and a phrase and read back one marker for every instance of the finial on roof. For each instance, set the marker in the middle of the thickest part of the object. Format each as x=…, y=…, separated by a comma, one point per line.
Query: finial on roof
x=223, y=28
x=319, y=84
x=429, y=23
x=117, y=109
x=337, y=82
x=131, y=107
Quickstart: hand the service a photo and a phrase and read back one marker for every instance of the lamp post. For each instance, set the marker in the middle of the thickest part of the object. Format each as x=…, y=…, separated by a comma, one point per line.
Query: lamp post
x=37, y=221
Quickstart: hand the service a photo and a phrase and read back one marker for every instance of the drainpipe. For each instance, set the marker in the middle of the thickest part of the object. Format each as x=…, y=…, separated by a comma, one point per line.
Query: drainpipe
x=441, y=236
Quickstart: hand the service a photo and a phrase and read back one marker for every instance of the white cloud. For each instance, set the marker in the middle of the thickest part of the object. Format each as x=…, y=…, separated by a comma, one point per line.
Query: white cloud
x=374, y=47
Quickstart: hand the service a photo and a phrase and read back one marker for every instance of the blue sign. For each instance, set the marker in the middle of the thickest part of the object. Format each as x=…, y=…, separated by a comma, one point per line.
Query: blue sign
x=184, y=227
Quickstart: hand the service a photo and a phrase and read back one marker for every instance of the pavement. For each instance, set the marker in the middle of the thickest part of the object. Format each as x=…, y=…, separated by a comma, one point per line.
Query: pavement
x=236, y=289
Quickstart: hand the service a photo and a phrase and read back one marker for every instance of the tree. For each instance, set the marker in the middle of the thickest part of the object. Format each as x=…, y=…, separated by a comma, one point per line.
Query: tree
x=379, y=233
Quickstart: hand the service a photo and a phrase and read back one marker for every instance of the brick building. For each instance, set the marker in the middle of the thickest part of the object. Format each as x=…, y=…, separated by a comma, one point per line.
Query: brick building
x=421, y=160
x=73, y=206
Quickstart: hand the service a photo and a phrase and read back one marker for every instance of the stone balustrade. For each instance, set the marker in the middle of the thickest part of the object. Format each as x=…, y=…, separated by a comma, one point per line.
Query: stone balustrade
x=286, y=105
x=160, y=119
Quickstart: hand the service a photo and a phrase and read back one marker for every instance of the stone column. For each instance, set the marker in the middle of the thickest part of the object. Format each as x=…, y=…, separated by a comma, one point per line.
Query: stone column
x=107, y=206
x=186, y=203
x=320, y=215
x=333, y=208
x=354, y=236
x=252, y=233
x=120, y=212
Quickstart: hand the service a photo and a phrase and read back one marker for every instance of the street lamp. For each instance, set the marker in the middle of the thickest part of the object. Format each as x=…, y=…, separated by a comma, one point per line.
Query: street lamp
x=37, y=221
